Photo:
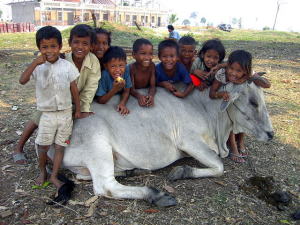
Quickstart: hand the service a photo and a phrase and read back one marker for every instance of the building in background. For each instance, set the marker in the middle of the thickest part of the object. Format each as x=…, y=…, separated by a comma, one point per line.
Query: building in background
x=69, y=12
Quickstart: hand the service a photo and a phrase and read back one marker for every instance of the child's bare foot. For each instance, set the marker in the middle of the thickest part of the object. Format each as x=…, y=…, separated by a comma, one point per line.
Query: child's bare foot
x=41, y=178
x=56, y=182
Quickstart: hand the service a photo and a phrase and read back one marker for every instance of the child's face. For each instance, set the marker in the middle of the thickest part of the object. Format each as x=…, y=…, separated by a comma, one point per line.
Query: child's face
x=101, y=46
x=116, y=67
x=211, y=58
x=80, y=46
x=235, y=72
x=168, y=58
x=50, y=48
x=144, y=55
x=186, y=53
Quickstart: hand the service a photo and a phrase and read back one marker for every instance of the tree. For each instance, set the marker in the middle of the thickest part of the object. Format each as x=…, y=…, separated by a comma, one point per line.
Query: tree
x=203, y=20
x=173, y=18
x=193, y=15
x=0, y=13
x=186, y=22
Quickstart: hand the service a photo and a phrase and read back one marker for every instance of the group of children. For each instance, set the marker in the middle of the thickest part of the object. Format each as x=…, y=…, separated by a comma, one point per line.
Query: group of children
x=77, y=78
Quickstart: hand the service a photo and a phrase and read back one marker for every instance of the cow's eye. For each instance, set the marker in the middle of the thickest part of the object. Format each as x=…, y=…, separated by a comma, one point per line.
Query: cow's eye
x=253, y=103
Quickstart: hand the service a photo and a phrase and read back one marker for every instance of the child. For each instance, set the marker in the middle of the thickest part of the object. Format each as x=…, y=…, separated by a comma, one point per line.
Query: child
x=170, y=71
x=209, y=58
x=238, y=70
x=142, y=72
x=187, y=50
x=55, y=83
x=81, y=38
x=173, y=34
x=115, y=79
x=101, y=44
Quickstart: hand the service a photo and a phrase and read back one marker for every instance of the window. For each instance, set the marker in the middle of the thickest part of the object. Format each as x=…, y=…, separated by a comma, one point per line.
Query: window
x=152, y=19
x=86, y=16
x=146, y=19
x=127, y=18
x=105, y=16
x=59, y=16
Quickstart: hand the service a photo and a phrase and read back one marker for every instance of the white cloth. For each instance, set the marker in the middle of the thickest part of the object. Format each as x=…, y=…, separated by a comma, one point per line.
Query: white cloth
x=53, y=85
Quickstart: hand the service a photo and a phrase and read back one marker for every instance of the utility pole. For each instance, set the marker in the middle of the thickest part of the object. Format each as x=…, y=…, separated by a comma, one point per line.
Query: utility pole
x=278, y=7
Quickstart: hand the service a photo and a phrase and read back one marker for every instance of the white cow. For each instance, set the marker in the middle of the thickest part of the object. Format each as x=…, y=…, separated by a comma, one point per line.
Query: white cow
x=107, y=143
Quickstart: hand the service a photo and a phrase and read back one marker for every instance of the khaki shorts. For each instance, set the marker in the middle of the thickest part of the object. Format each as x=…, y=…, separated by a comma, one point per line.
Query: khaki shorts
x=55, y=127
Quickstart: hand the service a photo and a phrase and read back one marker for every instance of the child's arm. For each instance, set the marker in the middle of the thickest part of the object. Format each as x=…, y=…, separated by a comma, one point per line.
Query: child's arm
x=217, y=67
x=200, y=74
x=121, y=108
x=214, y=94
x=152, y=88
x=261, y=81
x=186, y=92
x=25, y=77
x=167, y=85
x=117, y=86
x=141, y=98
x=76, y=100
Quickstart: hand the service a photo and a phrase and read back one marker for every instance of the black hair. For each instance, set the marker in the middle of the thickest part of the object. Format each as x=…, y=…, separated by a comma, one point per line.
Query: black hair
x=187, y=40
x=167, y=43
x=103, y=31
x=214, y=44
x=138, y=43
x=243, y=58
x=47, y=33
x=170, y=27
x=82, y=30
x=114, y=52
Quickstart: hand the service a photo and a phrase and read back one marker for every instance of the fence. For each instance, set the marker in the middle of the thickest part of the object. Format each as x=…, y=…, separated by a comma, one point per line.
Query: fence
x=16, y=27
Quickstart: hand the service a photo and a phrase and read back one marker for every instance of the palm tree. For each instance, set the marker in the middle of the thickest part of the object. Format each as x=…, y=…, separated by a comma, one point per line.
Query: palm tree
x=173, y=18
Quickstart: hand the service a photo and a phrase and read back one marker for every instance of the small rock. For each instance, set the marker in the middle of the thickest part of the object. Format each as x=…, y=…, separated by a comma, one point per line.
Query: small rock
x=3, y=92
x=14, y=108
x=5, y=213
x=19, y=132
x=103, y=213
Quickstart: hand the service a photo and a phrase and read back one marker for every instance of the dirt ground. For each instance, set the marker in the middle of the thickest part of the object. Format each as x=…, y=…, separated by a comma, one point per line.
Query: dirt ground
x=225, y=200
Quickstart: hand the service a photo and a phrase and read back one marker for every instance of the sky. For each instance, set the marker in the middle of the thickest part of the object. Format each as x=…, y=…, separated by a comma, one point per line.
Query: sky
x=255, y=14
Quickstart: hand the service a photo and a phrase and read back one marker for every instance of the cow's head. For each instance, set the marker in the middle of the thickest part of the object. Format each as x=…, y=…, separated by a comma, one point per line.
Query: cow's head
x=247, y=110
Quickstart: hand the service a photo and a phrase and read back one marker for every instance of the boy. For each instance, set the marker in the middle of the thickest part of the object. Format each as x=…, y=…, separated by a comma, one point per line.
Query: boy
x=173, y=34
x=115, y=79
x=142, y=72
x=81, y=38
x=55, y=82
x=170, y=71
x=187, y=51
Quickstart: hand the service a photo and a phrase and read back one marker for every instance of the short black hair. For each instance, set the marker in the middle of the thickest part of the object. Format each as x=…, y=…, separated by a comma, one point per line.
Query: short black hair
x=187, y=40
x=243, y=58
x=170, y=27
x=82, y=30
x=214, y=44
x=47, y=33
x=138, y=43
x=167, y=43
x=114, y=52
x=103, y=31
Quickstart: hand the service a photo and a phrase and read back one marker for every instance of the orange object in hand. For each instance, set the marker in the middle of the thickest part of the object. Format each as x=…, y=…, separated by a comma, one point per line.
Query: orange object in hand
x=196, y=81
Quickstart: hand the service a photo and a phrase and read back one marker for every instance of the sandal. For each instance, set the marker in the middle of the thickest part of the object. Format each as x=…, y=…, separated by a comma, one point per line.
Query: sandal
x=17, y=157
x=236, y=158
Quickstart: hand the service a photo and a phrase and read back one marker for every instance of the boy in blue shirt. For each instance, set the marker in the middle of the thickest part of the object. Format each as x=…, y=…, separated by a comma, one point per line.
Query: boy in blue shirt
x=170, y=71
x=115, y=79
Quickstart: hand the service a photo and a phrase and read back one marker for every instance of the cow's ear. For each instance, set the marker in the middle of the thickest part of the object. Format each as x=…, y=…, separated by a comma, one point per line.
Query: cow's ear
x=234, y=92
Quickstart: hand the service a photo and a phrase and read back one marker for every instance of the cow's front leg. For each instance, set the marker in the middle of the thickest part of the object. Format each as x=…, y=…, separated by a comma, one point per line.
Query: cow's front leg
x=201, y=152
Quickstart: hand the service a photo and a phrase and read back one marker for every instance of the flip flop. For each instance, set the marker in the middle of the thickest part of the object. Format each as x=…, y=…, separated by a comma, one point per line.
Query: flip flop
x=44, y=185
x=238, y=159
x=18, y=157
x=243, y=153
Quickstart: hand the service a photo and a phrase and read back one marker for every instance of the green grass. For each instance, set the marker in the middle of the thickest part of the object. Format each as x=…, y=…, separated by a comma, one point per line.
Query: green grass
x=124, y=36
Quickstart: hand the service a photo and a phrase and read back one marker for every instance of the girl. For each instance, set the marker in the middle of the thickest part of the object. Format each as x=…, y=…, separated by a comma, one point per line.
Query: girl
x=237, y=71
x=208, y=61
x=101, y=44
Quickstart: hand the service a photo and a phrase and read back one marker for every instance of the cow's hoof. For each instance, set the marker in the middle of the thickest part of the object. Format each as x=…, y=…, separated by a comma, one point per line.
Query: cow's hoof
x=160, y=198
x=180, y=172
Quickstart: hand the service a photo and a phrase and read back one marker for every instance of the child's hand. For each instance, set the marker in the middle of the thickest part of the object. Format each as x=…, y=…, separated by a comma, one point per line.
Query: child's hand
x=77, y=115
x=201, y=74
x=119, y=85
x=122, y=109
x=202, y=86
x=178, y=94
x=150, y=100
x=225, y=95
x=85, y=114
x=214, y=69
x=142, y=100
x=170, y=87
x=40, y=60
